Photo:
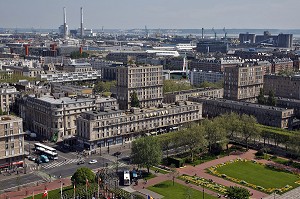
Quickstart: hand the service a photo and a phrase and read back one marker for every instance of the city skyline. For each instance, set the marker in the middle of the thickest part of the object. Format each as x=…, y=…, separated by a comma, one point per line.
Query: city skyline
x=154, y=14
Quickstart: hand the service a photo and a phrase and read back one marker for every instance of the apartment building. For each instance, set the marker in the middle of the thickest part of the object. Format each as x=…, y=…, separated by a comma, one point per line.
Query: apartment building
x=7, y=97
x=243, y=82
x=214, y=64
x=104, y=128
x=145, y=80
x=198, y=77
x=266, y=115
x=11, y=142
x=184, y=95
x=283, y=86
x=48, y=115
x=282, y=64
x=70, y=76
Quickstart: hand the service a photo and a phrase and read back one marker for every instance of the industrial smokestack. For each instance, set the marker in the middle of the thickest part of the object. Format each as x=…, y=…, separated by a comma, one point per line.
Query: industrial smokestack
x=81, y=22
x=65, y=23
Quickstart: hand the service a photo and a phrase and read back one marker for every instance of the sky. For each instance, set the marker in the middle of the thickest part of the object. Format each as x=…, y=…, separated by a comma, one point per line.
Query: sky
x=164, y=14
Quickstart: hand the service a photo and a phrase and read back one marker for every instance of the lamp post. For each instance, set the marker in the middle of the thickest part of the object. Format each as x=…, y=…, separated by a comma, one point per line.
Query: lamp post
x=203, y=191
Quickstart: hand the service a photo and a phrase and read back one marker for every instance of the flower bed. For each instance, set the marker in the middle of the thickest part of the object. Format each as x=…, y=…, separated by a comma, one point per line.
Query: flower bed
x=213, y=170
x=209, y=184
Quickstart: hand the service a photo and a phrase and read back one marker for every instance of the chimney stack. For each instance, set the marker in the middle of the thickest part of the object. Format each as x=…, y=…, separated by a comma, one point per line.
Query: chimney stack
x=65, y=23
x=81, y=22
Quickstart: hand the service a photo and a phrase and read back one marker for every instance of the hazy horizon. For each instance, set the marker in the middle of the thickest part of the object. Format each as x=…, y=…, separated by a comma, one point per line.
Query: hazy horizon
x=155, y=14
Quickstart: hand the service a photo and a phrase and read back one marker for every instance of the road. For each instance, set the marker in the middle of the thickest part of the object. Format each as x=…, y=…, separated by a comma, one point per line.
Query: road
x=8, y=182
x=64, y=167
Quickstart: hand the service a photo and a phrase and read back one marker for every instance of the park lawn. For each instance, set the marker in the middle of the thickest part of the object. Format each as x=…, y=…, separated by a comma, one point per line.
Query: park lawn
x=148, y=176
x=159, y=170
x=51, y=194
x=258, y=175
x=177, y=191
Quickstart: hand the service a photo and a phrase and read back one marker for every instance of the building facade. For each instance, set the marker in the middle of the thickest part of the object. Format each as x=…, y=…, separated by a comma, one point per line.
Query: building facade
x=283, y=86
x=198, y=77
x=70, y=77
x=99, y=129
x=48, y=115
x=184, y=95
x=214, y=64
x=243, y=82
x=266, y=115
x=145, y=80
x=7, y=97
x=11, y=142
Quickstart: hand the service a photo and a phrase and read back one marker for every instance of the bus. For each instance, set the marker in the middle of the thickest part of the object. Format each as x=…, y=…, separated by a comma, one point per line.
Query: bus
x=46, y=150
x=126, y=178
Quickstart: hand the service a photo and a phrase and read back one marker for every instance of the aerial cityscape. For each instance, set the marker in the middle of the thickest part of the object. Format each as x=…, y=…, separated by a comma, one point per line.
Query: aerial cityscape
x=149, y=100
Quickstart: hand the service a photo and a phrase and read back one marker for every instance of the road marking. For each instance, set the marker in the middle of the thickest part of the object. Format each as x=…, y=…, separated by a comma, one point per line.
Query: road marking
x=59, y=163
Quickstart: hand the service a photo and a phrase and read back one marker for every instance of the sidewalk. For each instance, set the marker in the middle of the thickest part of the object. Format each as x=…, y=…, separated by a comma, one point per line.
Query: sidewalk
x=26, y=192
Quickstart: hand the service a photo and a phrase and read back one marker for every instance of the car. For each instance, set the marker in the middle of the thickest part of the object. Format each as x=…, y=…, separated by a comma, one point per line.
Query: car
x=31, y=158
x=117, y=153
x=38, y=161
x=93, y=162
x=80, y=162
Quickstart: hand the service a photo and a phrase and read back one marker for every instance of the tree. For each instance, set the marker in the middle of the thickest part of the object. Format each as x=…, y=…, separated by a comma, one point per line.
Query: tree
x=77, y=55
x=271, y=99
x=172, y=86
x=214, y=133
x=134, y=100
x=193, y=137
x=238, y=193
x=83, y=173
x=102, y=87
x=261, y=97
x=249, y=128
x=146, y=152
x=167, y=141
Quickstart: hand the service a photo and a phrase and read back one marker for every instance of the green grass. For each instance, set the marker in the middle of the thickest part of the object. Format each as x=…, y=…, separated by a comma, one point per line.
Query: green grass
x=177, y=191
x=52, y=193
x=259, y=175
x=159, y=170
x=148, y=176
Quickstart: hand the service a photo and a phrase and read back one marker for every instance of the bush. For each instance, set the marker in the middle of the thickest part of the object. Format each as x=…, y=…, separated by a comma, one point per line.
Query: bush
x=274, y=157
x=178, y=162
x=216, y=149
x=259, y=152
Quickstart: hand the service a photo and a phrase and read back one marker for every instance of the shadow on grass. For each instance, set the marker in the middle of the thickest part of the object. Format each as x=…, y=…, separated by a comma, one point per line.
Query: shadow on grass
x=161, y=185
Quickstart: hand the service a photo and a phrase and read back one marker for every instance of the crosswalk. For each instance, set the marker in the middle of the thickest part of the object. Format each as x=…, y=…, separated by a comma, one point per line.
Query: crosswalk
x=120, y=164
x=59, y=163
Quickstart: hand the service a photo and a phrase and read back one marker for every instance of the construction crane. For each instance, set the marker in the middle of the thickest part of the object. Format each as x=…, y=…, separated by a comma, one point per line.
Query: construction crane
x=214, y=33
x=225, y=36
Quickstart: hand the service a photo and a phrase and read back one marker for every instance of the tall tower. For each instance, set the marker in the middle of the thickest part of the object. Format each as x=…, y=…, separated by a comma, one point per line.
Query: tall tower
x=81, y=22
x=65, y=24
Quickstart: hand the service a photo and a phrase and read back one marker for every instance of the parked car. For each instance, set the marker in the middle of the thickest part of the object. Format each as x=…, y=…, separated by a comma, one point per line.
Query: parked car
x=31, y=158
x=80, y=162
x=93, y=162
